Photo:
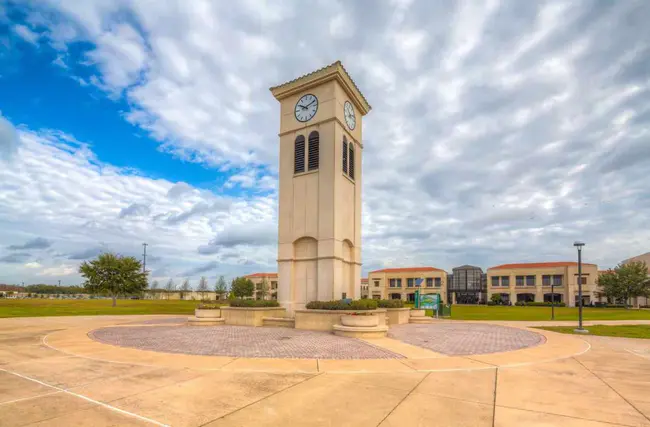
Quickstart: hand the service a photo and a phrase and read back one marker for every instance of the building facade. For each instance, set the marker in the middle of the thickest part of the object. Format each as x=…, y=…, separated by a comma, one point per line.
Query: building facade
x=319, y=203
x=401, y=283
x=364, y=288
x=467, y=285
x=271, y=280
x=533, y=282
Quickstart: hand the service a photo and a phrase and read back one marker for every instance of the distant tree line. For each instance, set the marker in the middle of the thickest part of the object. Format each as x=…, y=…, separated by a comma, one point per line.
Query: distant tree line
x=44, y=289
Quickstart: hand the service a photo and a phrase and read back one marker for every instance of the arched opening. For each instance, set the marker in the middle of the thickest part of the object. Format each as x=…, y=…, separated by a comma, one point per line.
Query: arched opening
x=347, y=253
x=305, y=252
x=395, y=296
x=525, y=297
x=557, y=298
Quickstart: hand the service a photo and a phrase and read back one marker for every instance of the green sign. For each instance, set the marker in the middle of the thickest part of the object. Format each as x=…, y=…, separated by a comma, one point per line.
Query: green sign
x=429, y=301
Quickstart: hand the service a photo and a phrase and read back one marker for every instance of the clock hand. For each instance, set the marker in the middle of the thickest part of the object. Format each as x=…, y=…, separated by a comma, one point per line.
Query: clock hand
x=310, y=103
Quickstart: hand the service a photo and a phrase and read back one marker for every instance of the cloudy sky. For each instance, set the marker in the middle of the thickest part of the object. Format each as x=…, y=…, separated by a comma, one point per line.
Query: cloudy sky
x=501, y=131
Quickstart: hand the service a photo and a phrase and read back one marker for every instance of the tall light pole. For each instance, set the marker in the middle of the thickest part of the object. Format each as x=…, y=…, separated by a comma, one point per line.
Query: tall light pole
x=144, y=258
x=580, y=329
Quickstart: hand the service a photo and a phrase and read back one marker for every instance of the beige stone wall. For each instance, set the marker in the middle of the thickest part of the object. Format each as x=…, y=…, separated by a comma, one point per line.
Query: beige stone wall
x=384, y=291
x=568, y=290
x=250, y=316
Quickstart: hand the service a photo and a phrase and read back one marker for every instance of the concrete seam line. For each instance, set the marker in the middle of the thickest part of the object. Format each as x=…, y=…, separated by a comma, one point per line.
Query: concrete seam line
x=555, y=414
x=261, y=399
x=636, y=354
x=88, y=399
x=613, y=389
x=30, y=397
x=494, y=402
x=517, y=365
x=403, y=399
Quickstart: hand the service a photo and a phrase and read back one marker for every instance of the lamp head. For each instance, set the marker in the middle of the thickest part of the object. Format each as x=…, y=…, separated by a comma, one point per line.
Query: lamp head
x=578, y=245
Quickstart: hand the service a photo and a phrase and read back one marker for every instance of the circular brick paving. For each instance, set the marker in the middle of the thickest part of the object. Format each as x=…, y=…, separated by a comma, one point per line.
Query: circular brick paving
x=240, y=341
x=457, y=339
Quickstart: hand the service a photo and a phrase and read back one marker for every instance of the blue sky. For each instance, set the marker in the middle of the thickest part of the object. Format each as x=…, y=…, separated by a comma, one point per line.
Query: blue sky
x=501, y=131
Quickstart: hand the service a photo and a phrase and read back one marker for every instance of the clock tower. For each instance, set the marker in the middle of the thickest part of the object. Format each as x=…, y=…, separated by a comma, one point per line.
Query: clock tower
x=319, y=214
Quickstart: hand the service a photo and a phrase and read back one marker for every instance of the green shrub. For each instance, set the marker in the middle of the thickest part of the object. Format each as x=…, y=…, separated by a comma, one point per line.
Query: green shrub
x=390, y=303
x=253, y=303
x=538, y=304
x=361, y=304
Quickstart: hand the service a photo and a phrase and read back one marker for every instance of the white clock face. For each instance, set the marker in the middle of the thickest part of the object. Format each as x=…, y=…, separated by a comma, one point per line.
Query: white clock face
x=306, y=108
x=350, y=118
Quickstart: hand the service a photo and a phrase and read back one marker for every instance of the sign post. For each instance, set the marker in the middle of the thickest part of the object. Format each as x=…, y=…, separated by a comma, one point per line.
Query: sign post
x=430, y=301
x=418, y=282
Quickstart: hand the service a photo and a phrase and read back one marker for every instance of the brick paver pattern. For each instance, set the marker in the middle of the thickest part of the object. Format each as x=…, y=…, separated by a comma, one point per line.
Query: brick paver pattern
x=166, y=321
x=457, y=339
x=241, y=341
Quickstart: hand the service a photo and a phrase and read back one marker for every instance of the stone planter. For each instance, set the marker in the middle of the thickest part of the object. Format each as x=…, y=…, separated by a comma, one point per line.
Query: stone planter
x=324, y=320
x=361, y=321
x=205, y=313
x=398, y=316
x=418, y=312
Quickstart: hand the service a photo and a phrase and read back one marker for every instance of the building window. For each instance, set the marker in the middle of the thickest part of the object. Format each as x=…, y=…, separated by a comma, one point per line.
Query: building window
x=299, y=160
x=584, y=280
x=438, y=282
x=530, y=280
x=429, y=282
x=495, y=280
x=345, y=156
x=351, y=167
x=344, y=295
x=395, y=283
x=410, y=282
x=546, y=280
x=376, y=283
x=519, y=281
x=557, y=280
x=505, y=281
x=313, y=151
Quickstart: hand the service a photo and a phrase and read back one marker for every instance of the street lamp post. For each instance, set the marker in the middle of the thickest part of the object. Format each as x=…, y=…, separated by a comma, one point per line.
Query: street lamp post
x=580, y=329
x=552, y=298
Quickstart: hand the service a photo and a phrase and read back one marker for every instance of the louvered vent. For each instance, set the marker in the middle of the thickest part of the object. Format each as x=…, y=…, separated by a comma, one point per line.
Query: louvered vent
x=299, y=160
x=313, y=151
x=351, y=167
x=345, y=156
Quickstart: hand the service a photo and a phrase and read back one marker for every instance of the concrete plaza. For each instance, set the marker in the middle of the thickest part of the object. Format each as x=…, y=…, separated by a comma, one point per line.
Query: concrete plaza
x=52, y=372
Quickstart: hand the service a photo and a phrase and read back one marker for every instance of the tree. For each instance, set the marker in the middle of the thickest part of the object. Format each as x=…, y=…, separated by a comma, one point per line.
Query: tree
x=154, y=289
x=170, y=287
x=496, y=298
x=185, y=287
x=203, y=287
x=263, y=290
x=114, y=275
x=220, y=287
x=626, y=281
x=242, y=287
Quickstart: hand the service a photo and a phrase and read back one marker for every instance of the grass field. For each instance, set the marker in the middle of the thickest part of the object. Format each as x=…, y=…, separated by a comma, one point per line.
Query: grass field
x=625, y=331
x=484, y=312
x=51, y=307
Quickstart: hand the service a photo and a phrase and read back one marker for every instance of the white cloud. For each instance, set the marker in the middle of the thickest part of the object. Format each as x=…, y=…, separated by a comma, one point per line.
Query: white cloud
x=33, y=265
x=500, y=131
x=27, y=34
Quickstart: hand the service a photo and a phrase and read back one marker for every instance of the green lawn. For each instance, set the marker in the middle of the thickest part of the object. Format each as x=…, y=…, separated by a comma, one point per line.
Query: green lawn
x=53, y=307
x=484, y=312
x=626, y=331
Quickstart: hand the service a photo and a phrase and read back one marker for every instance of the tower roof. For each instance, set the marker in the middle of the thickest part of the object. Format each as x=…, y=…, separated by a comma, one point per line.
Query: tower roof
x=334, y=71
